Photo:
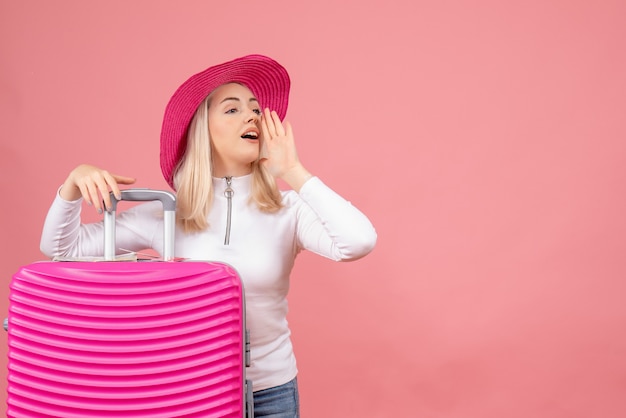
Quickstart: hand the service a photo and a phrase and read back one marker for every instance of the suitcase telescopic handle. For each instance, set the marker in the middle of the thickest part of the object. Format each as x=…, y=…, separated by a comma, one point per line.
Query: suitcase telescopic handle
x=167, y=199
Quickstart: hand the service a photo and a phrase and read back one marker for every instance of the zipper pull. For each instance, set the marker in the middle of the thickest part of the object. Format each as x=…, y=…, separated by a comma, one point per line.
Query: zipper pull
x=229, y=192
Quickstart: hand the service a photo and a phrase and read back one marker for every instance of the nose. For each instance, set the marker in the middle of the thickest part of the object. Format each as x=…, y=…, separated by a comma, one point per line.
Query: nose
x=253, y=117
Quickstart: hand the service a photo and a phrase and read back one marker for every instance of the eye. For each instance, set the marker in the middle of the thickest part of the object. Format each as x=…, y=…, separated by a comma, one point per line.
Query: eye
x=232, y=110
x=257, y=111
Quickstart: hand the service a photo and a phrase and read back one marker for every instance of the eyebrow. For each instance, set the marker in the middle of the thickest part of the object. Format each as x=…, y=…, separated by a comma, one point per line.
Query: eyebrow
x=237, y=99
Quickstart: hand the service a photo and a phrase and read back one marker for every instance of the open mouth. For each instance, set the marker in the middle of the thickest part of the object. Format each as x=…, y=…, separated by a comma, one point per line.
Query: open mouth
x=250, y=135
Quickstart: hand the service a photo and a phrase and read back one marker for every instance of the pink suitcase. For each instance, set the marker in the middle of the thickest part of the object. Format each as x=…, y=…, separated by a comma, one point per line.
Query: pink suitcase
x=128, y=339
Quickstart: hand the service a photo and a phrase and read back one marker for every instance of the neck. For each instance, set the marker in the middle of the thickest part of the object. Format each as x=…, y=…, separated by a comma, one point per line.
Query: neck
x=237, y=171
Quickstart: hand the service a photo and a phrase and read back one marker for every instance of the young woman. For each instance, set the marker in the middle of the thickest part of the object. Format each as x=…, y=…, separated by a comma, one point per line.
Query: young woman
x=223, y=144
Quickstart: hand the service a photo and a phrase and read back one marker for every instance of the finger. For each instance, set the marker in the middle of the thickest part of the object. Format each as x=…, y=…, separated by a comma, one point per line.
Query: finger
x=112, y=183
x=103, y=187
x=114, y=180
x=280, y=131
x=288, y=130
x=121, y=180
x=93, y=196
x=265, y=131
x=269, y=123
x=124, y=179
x=85, y=193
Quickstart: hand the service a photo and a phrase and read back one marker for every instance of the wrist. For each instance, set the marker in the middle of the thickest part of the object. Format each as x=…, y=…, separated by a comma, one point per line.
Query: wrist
x=69, y=192
x=296, y=177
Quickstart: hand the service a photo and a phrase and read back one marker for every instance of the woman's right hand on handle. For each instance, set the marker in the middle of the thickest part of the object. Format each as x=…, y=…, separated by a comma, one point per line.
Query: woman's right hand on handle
x=93, y=184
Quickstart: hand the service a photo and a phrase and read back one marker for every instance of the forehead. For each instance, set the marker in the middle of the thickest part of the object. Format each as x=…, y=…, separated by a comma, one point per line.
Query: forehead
x=232, y=90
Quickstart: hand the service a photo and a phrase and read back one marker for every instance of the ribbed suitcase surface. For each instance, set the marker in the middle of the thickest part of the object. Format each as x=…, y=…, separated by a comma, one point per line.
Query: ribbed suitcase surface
x=117, y=339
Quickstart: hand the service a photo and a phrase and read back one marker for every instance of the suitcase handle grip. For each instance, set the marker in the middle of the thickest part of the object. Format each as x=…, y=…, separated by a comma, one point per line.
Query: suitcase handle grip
x=145, y=195
x=167, y=199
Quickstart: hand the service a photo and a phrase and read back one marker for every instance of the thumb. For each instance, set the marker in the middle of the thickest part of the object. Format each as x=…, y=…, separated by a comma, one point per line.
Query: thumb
x=124, y=179
x=288, y=129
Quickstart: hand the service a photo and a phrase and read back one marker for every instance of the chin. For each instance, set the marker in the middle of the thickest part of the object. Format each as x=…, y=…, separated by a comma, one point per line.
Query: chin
x=252, y=157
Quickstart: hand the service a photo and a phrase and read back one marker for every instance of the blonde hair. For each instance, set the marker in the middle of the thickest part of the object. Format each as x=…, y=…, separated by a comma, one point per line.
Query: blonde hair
x=193, y=178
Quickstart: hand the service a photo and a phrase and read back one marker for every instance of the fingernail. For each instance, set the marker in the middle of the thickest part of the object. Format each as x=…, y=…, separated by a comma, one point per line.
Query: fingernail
x=100, y=211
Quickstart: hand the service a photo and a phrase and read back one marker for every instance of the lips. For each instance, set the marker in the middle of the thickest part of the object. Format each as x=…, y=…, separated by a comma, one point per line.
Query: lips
x=252, y=134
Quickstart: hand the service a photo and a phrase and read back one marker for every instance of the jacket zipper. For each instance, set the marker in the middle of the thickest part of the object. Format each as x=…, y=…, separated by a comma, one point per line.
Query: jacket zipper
x=229, y=192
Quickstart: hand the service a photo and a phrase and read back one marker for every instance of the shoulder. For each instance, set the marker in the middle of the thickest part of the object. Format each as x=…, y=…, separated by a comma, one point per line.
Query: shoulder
x=288, y=195
x=291, y=199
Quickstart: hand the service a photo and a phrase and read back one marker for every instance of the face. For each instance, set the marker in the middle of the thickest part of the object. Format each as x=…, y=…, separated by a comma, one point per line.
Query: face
x=234, y=129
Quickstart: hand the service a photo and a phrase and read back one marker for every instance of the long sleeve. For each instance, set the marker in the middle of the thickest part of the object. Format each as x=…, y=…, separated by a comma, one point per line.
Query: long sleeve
x=331, y=226
x=64, y=235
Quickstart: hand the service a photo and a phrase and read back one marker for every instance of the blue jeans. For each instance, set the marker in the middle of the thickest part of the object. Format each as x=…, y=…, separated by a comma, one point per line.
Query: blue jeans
x=278, y=402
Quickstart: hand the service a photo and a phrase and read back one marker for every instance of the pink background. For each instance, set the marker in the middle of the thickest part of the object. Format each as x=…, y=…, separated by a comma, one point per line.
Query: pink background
x=484, y=139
